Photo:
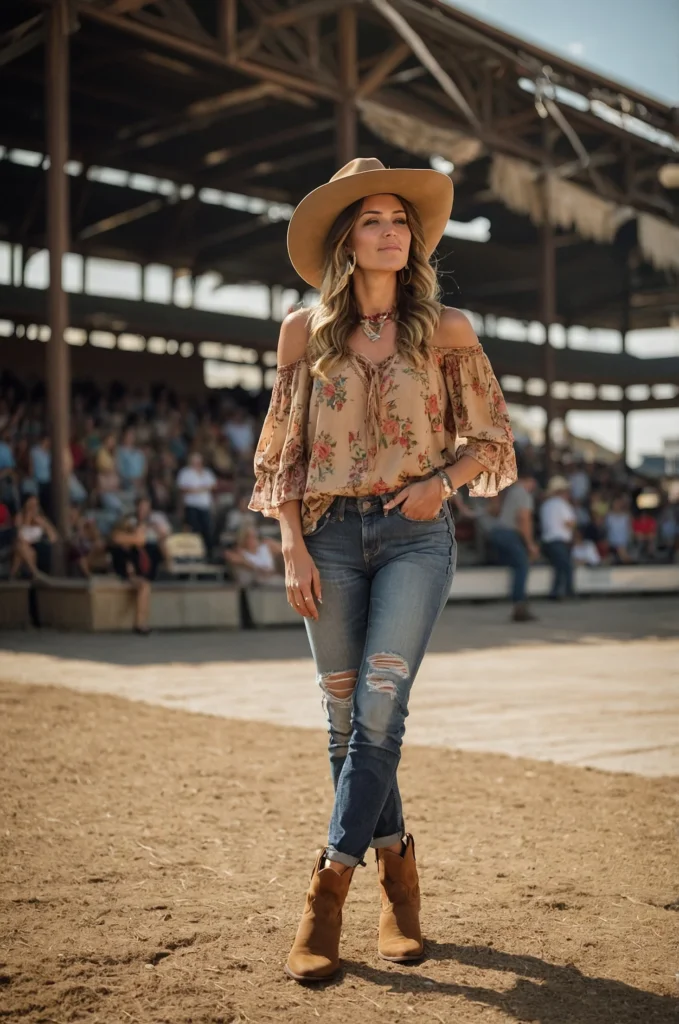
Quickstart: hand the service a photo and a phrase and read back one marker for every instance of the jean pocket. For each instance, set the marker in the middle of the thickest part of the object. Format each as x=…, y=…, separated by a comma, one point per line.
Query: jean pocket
x=321, y=523
x=401, y=515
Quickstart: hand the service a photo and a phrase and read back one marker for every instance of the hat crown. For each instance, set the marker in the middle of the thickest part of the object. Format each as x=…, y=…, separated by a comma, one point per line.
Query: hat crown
x=358, y=166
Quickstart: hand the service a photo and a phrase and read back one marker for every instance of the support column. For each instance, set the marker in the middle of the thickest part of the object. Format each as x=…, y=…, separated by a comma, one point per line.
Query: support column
x=625, y=322
x=58, y=369
x=346, y=126
x=625, y=432
x=227, y=16
x=548, y=315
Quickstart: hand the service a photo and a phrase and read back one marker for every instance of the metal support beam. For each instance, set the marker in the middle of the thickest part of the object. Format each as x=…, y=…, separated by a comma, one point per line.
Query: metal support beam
x=58, y=370
x=348, y=65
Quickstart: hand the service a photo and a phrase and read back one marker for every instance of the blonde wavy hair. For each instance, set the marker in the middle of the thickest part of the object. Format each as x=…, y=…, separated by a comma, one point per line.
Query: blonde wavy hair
x=333, y=320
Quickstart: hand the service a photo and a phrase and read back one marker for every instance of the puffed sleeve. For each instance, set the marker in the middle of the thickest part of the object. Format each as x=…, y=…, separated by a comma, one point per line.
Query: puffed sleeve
x=478, y=419
x=280, y=458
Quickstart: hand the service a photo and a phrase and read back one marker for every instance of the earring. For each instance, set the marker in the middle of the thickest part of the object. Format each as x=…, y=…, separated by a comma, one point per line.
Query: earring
x=402, y=277
x=351, y=264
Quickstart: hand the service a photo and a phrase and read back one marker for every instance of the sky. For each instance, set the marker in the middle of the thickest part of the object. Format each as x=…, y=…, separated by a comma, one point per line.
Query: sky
x=636, y=43
x=631, y=41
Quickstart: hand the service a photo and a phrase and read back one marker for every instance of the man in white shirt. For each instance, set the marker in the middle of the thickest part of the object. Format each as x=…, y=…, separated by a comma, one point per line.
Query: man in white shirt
x=557, y=522
x=196, y=484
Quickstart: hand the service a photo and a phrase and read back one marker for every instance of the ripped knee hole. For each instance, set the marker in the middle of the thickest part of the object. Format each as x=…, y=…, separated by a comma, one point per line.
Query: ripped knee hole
x=383, y=668
x=339, y=685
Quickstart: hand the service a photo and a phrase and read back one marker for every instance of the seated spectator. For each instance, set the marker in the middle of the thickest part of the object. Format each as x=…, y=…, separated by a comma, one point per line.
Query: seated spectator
x=131, y=462
x=619, y=530
x=644, y=528
x=668, y=530
x=218, y=454
x=157, y=529
x=41, y=470
x=133, y=564
x=239, y=515
x=108, y=480
x=196, y=484
x=91, y=437
x=33, y=542
x=78, y=452
x=239, y=431
x=86, y=547
x=176, y=442
x=8, y=476
x=585, y=552
x=580, y=485
x=557, y=521
x=254, y=559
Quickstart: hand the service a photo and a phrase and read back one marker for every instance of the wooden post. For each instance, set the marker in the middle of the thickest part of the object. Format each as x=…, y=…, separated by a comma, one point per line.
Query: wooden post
x=625, y=432
x=227, y=13
x=548, y=315
x=348, y=68
x=626, y=303
x=58, y=370
x=624, y=331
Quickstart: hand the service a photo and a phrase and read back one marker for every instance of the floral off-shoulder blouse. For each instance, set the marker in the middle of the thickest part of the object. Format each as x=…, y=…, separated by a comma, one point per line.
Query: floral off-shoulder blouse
x=373, y=427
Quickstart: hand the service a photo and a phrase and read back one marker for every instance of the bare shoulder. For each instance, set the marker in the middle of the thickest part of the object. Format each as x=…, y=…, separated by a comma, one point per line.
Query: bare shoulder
x=454, y=330
x=293, y=338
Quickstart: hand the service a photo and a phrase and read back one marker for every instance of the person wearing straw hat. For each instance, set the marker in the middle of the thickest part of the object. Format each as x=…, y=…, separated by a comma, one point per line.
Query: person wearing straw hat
x=557, y=522
x=384, y=404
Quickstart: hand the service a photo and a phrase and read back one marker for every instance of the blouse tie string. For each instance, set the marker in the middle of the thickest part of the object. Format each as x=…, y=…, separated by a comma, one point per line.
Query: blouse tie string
x=371, y=375
x=373, y=415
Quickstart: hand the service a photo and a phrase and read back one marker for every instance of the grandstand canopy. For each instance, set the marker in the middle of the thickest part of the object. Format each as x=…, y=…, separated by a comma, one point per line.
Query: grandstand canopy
x=190, y=100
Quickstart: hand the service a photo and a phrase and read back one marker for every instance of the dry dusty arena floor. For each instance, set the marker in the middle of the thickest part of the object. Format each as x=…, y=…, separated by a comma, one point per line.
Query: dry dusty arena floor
x=154, y=860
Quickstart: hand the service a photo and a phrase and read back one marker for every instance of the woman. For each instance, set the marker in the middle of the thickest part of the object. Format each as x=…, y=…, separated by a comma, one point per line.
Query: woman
x=134, y=565
x=108, y=480
x=254, y=559
x=86, y=547
x=358, y=456
x=35, y=536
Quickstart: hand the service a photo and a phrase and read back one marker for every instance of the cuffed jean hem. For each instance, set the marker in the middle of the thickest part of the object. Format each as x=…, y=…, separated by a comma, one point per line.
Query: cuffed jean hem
x=383, y=841
x=341, y=858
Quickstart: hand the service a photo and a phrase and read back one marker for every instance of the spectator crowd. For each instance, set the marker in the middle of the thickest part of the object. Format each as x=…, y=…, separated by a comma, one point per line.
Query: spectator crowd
x=589, y=514
x=144, y=465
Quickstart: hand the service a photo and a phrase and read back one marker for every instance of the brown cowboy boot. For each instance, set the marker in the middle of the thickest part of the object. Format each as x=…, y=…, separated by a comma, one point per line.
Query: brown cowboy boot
x=315, y=952
x=400, y=935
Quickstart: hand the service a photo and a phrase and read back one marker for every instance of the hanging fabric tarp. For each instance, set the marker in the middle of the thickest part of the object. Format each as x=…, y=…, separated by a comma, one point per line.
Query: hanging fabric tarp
x=659, y=242
x=415, y=136
x=571, y=207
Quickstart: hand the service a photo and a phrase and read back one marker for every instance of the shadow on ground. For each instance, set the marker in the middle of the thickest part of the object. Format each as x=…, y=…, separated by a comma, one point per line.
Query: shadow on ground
x=544, y=993
x=461, y=628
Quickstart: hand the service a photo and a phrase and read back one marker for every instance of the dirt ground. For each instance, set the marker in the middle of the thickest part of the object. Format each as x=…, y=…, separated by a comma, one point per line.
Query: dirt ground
x=154, y=864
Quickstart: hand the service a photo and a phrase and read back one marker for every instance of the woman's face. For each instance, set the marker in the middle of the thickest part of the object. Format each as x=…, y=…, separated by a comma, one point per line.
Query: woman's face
x=381, y=236
x=31, y=507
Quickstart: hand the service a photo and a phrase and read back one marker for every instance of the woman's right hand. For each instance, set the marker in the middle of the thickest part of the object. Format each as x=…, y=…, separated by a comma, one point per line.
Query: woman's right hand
x=302, y=579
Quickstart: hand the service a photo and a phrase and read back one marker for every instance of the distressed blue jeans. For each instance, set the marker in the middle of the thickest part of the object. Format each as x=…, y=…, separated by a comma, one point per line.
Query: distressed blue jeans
x=385, y=580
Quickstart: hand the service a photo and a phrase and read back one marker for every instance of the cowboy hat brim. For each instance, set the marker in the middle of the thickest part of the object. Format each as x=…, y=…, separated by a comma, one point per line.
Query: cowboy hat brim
x=431, y=192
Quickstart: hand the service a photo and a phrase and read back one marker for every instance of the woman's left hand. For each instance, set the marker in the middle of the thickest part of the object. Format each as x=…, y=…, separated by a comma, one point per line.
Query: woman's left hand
x=422, y=500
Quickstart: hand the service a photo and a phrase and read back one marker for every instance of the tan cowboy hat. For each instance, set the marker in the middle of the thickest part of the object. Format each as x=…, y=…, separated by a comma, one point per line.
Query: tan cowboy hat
x=430, y=191
x=556, y=484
